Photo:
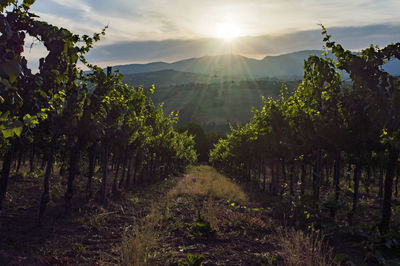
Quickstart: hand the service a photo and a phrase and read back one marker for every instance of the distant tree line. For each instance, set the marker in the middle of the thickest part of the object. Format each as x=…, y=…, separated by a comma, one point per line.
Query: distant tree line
x=204, y=141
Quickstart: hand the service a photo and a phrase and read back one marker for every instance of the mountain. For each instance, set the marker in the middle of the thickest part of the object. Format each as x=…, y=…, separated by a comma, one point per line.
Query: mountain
x=287, y=65
x=281, y=66
x=142, y=68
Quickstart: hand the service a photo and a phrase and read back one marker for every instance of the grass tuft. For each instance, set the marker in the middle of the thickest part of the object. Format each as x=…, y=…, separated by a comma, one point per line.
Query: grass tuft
x=206, y=181
x=299, y=248
x=137, y=246
x=210, y=212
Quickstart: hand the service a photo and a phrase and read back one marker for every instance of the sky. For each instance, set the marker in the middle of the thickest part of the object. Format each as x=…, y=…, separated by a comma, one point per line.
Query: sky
x=141, y=31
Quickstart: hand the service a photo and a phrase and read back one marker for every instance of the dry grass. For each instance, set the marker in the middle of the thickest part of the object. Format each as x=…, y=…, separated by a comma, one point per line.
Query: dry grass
x=137, y=246
x=206, y=181
x=299, y=248
x=210, y=212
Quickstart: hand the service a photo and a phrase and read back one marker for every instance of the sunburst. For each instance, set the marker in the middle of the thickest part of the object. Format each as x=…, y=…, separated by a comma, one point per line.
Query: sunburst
x=227, y=31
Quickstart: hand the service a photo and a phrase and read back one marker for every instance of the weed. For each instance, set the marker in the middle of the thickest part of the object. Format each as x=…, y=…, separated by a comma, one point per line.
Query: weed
x=97, y=221
x=299, y=248
x=201, y=229
x=263, y=259
x=136, y=248
x=194, y=259
x=190, y=260
x=78, y=248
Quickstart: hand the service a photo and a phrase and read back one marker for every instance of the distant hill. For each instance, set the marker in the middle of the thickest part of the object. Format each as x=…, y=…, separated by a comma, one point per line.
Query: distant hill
x=209, y=100
x=216, y=105
x=287, y=65
x=171, y=77
x=282, y=66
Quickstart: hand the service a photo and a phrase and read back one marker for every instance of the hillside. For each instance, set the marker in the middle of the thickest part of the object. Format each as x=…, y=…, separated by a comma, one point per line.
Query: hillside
x=170, y=77
x=215, y=105
x=213, y=102
x=271, y=66
x=281, y=66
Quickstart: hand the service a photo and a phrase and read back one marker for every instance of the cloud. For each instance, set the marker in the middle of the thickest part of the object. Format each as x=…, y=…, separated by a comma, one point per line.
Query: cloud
x=353, y=38
x=61, y=10
x=142, y=31
x=69, y=14
x=136, y=20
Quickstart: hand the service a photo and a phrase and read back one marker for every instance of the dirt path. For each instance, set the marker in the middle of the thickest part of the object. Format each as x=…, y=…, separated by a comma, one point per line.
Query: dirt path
x=202, y=218
x=207, y=218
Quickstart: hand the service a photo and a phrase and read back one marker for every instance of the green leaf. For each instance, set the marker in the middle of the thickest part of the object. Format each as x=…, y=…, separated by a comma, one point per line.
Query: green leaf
x=18, y=130
x=12, y=69
x=4, y=4
x=27, y=3
x=12, y=129
x=31, y=121
x=7, y=133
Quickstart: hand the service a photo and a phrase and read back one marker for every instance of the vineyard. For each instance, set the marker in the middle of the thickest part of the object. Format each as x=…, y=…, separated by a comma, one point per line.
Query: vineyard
x=321, y=161
x=330, y=149
x=62, y=116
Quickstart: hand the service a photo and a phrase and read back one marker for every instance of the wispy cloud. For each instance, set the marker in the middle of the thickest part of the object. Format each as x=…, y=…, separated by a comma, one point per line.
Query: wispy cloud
x=353, y=38
x=179, y=19
x=169, y=30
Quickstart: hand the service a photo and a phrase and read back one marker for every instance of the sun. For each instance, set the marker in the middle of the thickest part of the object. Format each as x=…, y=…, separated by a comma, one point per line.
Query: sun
x=227, y=31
